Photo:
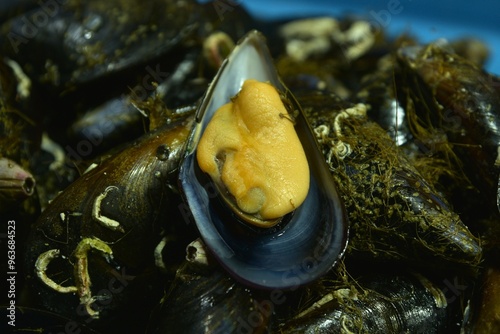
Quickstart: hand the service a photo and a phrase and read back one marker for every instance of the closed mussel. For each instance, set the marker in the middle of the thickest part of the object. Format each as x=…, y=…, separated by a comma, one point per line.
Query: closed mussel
x=455, y=116
x=204, y=299
x=91, y=252
x=394, y=213
x=393, y=302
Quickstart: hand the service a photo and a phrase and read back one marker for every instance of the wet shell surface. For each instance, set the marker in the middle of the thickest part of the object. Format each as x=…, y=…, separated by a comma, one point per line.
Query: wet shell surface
x=303, y=244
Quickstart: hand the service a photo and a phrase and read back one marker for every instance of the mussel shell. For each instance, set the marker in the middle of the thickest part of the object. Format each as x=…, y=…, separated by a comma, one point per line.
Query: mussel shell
x=385, y=303
x=456, y=103
x=485, y=304
x=205, y=301
x=84, y=41
x=138, y=194
x=395, y=214
x=314, y=237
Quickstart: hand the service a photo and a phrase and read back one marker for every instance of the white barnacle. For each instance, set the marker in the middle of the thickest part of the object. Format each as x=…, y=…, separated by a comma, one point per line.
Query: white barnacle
x=216, y=48
x=41, y=266
x=56, y=150
x=321, y=132
x=440, y=299
x=497, y=160
x=91, y=167
x=357, y=40
x=318, y=304
x=82, y=277
x=341, y=149
x=103, y=220
x=158, y=254
x=329, y=156
x=344, y=321
x=359, y=110
x=339, y=295
x=196, y=253
x=306, y=38
x=24, y=82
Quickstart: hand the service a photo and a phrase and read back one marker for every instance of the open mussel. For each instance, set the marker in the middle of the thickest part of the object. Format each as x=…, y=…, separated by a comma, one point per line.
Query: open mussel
x=294, y=244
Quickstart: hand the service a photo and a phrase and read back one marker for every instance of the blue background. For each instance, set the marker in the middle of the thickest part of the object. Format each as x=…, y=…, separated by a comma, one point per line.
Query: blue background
x=428, y=20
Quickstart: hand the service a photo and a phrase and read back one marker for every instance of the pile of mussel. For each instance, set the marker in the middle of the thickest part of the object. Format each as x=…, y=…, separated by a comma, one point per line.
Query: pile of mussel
x=351, y=184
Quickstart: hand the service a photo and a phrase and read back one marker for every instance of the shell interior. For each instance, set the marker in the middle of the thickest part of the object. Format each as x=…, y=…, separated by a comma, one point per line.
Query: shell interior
x=310, y=240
